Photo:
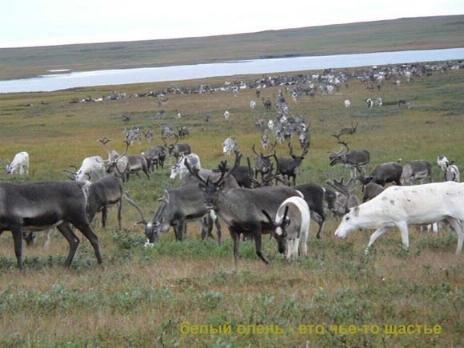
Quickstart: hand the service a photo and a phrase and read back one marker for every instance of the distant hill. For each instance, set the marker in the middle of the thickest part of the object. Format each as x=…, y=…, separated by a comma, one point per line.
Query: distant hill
x=388, y=35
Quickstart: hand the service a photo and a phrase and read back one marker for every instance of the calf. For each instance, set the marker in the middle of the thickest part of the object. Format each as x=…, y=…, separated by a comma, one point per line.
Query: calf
x=19, y=164
x=292, y=222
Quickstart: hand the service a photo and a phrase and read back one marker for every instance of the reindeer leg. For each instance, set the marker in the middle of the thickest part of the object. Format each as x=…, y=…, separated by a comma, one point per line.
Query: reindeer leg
x=18, y=245
x=104, y=216
x=120, y=213
x=86, y=230
x=458, y=229
x=377, y=233
x=218, y=231
x=72, y=239
x=258, y=247
x=235, y=235
x=403, y=227
x=204, y=227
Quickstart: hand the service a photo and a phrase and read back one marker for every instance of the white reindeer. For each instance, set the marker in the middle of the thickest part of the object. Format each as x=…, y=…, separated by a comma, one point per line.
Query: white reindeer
x=226, y=115
x=347, y=103
x=180, y=170
x=92, y=169
x=252, y=104
x=229, y=146
x=19, y=164
x=400, y=206
x=292, y=222
x=450, y=170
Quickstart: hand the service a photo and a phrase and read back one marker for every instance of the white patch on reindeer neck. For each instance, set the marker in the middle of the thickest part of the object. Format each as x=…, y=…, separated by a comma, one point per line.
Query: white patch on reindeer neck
x=212, y=214
x=279, y=231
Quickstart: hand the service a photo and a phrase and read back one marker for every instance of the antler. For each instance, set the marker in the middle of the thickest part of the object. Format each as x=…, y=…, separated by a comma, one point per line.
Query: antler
x=273, y=146
x=254, y=150
x=290, y=148
x=131, y=202
x=250, y=171
x=306, y=148
x=194, y=172
x=223, y=168
x=345, y=145
x=104, y=140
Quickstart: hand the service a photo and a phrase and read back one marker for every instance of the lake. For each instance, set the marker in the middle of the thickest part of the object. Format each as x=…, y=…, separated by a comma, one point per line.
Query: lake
x=64, y=80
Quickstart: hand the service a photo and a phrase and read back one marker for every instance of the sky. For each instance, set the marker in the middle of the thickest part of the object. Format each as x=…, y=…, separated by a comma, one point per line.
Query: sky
x=57, y=22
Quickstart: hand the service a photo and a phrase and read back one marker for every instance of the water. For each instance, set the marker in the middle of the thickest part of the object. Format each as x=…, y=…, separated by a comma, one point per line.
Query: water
x=53, y=82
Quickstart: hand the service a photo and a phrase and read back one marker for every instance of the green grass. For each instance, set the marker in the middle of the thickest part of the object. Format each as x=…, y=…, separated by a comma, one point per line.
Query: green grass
x=143, y=296
x=388, y=35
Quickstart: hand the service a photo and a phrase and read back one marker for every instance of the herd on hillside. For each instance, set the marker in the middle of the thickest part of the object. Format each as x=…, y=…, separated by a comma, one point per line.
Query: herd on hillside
x=252, y=199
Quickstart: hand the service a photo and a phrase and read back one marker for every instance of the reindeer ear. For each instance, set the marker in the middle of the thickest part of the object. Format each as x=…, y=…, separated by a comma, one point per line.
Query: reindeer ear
x=356, y=211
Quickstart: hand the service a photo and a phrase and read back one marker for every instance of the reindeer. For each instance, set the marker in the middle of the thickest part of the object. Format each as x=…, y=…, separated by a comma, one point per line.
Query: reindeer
x=148, y=134
x=242, y=209
x=183, y=132
x=19, y=164
x=34, y=207
x=263, y=163
x=176, y=149
x=155, y=156
x=288, y=166
x=116, y=163
x=400, y=206
x=346, y=131
x=345, y=198
x=356, y=160
x=292, y=223
x=102, y=194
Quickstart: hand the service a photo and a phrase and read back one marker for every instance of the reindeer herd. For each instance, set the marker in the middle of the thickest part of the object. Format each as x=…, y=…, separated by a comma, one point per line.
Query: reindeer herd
x=251, y=199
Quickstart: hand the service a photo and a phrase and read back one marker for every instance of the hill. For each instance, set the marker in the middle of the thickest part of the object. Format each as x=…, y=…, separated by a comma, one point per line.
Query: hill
x=388, y=35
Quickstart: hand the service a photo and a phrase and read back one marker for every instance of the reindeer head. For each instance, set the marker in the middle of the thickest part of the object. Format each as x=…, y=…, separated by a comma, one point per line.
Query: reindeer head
x=263, y=162
x=279, y=229
x=211, y=188
x=345, y=198
x=339, y=157
x=298, y=159
x=159, y=223
x=170, y=147
x=117, y=163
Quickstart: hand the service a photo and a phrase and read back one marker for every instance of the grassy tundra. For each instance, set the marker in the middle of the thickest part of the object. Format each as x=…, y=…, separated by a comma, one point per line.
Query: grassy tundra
x=143, y=296
x=388, y=35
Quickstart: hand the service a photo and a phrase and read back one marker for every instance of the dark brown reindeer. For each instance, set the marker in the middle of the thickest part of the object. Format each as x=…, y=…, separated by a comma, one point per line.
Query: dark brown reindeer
x=263, y=162
x=31, y=207
x=176, y=149
x=356, y=160
x=242, y=209
x=287, y=167
x=346, y=131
